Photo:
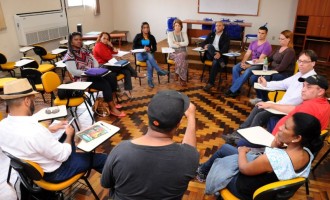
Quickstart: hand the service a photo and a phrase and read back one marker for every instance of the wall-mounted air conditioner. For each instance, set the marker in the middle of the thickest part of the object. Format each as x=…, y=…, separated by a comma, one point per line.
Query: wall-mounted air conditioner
x=37, y=27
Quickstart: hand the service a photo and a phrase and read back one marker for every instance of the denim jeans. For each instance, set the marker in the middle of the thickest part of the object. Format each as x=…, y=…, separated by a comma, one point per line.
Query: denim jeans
x=75, y=164
x=215, y=63
x=238, y=79
x=257, y=117
x=223, y=151
x=263, y=94
x=151, y=63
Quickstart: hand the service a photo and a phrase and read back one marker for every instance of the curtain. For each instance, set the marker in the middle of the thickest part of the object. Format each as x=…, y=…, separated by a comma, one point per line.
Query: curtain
x=2, y=20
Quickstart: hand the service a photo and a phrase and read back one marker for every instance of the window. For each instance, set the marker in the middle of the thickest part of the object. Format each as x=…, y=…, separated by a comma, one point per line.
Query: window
x=72, y=3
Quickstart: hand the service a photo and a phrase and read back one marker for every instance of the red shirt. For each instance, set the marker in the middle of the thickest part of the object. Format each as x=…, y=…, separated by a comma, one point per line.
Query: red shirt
x=318, y=107
x=102, y=52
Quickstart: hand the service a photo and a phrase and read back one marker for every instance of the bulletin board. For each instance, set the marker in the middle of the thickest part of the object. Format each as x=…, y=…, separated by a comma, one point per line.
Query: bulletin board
x=229, y=7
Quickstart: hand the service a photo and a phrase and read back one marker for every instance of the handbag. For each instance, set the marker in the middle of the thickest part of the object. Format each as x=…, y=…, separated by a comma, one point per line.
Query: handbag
x=101, y=108
x=92, y=72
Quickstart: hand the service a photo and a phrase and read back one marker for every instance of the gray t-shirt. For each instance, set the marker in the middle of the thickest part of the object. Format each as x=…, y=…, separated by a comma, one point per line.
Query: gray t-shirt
x=147, y=172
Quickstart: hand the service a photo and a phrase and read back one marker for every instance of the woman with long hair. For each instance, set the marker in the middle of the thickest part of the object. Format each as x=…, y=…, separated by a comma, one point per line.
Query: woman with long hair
x=79, y=59
x=145, y=40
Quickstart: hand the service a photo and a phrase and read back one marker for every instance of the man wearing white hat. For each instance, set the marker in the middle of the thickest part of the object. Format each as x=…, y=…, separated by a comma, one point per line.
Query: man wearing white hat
x=22, y=136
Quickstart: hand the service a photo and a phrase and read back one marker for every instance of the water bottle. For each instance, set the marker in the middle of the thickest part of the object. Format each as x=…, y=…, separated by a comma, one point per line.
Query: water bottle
x=265, y=66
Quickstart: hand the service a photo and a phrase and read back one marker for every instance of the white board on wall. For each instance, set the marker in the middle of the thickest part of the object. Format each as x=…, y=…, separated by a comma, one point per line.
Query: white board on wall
x=230, y=7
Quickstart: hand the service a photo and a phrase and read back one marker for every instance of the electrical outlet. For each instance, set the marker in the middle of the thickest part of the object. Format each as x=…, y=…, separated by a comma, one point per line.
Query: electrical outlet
x=273, y=38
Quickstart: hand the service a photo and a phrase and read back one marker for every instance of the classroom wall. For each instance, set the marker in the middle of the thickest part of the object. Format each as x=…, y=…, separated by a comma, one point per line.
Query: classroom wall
x=128, y=15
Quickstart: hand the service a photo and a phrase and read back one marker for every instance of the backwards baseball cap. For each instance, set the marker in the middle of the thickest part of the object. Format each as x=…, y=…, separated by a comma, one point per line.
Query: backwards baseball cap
x=321, y=81
x=166, y=108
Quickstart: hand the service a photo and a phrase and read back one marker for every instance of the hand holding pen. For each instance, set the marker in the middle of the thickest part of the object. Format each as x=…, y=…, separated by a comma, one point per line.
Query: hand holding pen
x=262, y=81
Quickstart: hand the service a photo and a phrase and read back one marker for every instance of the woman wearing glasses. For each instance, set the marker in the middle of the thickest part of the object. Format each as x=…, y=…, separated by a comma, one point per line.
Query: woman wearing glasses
x=282, y=60
x=79, y=59
x=145, y=40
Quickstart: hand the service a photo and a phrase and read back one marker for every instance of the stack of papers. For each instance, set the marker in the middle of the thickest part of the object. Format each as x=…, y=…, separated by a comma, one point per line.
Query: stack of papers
x=257, y=135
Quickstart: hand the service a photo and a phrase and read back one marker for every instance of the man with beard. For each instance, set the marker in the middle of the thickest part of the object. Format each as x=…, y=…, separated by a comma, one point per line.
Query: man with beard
x=23, y=137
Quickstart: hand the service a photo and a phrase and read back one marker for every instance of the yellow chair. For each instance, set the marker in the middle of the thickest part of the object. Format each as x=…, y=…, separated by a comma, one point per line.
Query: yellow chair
x=5, y=80
x=50, y=81
x=7, y=66
x=170, y=63
x=43, y=68
x=44, y=55
x=278, y=190
x=326, y=138
x=31, y=175
x=34, y=77
x=139, y=64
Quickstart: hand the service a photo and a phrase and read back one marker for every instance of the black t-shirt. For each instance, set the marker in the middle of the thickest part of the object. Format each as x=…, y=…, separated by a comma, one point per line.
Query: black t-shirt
x=146, y=172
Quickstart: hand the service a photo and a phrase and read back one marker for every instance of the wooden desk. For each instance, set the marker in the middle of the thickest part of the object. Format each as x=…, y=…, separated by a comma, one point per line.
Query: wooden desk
x=119, y=35
x=195, y=33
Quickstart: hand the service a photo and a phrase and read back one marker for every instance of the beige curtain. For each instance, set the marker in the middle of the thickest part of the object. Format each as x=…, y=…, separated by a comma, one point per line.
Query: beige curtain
x=2, y=20
x=97, y=9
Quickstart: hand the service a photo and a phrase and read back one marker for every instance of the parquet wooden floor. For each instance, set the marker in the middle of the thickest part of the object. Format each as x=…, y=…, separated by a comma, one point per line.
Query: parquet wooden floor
x=215, y=115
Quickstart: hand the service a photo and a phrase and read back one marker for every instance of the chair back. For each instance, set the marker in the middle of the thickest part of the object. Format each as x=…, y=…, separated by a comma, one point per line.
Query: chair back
x=296, y=68
x=50, y=81
x=39, y=50
x=3, y=59
x=33, y=75
x=34, y=64
x=234, y=31
x=28, y=171
x=279, y=189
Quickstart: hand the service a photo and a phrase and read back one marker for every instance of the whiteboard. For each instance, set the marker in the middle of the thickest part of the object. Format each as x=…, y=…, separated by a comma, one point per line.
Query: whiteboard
x=231, y=7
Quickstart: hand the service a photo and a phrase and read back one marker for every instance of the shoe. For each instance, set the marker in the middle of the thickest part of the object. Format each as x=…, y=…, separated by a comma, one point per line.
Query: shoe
x=200, y=176
x=141, y=75
x=162, y=73
x=183, y=83
x=229, y=93
x=255, y=101
x=118, y=106
x=208, y=87
x=122, y=114
x=151, y=84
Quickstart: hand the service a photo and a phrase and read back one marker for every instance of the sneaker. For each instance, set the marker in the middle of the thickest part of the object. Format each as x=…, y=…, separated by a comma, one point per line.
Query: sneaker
x=151, y=83
x=208, y=87
x=255, y=101
x=162, y=72
x=200, y=176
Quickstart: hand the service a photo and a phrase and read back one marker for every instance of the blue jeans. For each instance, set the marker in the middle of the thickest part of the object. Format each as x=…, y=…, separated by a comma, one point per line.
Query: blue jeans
x=262, y=94
x=151, y=63
x=75, y=164
x=238, y=79
x=215, y=63
x=225, y=150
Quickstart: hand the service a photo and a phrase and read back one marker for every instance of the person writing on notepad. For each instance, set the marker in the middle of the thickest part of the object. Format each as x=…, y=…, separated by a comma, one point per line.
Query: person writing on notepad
x=301, y=133
x=258, y=50
x=103, y=52
x=23, y=137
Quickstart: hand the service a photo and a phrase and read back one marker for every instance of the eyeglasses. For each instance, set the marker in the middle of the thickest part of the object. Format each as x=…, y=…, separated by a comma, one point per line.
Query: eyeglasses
x=52, y=111
x=303, y=61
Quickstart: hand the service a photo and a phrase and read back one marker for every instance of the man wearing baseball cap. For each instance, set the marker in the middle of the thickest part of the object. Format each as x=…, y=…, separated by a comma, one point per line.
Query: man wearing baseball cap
x=23, y=137
x=153, y=166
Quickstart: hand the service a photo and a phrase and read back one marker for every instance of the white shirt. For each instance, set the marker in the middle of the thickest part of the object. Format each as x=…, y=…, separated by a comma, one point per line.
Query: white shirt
x=25, y=138
x=216, y=41
x=292, y=86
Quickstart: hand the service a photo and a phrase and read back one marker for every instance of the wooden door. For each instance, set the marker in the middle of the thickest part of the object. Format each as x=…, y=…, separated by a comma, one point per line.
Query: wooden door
x=312, y=7
x=327, y=9
x=325, y=28
x=314, y=26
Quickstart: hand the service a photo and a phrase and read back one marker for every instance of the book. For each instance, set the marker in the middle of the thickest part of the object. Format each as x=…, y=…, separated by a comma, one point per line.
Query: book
x=257, y=135
x=92, y=132
x=116, y=63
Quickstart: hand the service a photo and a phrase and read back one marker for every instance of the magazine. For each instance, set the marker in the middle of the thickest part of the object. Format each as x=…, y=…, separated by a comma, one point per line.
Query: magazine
x=92, y=132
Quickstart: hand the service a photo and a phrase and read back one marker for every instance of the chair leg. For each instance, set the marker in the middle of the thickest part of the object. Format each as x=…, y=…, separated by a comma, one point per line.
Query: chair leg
x=307, y=186
x=169, y=72
x=91, y=188
x=159, y=79
x=43, y=97
x=75, y=119
x=9, y=173
x=203, y=73
x=89, y=112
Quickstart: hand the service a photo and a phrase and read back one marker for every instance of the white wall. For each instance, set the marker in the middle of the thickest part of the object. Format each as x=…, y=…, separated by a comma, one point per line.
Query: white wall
x=129, y=14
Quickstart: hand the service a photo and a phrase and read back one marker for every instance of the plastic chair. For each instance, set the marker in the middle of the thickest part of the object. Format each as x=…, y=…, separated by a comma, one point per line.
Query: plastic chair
x=7, y=66
x=139, y=64
x=279, y=190
x=31, y=175
x=44, y=55
x=43, y=68
x=34, y=77
x=50, y=81
x=325, y=135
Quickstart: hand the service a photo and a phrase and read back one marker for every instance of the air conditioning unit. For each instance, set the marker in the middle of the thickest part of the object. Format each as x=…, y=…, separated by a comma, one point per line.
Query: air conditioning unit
x=37, y=27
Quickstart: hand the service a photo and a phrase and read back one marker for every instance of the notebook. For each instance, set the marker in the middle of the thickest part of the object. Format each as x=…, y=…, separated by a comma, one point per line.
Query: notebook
x=257, y=135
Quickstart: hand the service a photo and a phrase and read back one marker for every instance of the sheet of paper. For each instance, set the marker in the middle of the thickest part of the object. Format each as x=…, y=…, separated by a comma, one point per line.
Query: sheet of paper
x=264, y=73
x=121, y=53
x=250, y=62
x=260, y=87
x=58, y=134
x=89, y=146
x=276, y=112
x=257, y=135
x=138, y=50
x=167, y=50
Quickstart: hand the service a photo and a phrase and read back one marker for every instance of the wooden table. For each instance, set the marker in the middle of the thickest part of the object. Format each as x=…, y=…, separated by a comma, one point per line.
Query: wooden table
x=195, y=33
x=119, y=35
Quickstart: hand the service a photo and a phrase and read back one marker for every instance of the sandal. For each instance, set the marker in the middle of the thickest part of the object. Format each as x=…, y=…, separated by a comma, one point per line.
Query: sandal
x=122, y=114
x=118, y=106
